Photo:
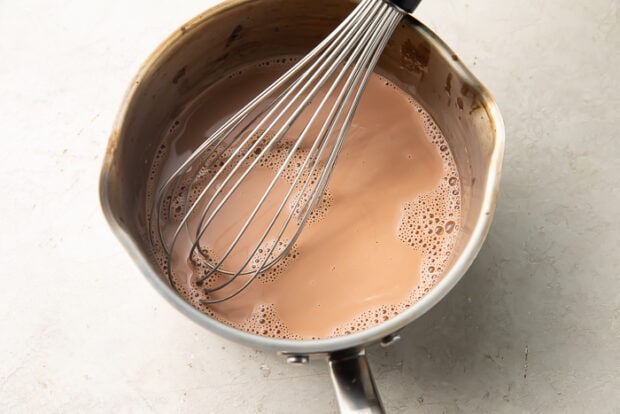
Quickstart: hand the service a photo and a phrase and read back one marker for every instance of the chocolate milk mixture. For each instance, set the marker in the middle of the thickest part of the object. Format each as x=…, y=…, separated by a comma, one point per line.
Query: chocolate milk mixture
x=379, y=240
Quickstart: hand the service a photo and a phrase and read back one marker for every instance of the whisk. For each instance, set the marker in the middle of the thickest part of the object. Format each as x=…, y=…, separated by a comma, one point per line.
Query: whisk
x=302, y=118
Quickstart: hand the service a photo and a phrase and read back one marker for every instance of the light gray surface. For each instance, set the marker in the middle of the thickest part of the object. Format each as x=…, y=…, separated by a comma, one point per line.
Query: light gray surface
x=533, y=327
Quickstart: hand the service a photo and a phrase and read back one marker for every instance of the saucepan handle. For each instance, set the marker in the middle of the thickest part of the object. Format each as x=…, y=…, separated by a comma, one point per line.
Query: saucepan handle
x=407, y=5
x=356, y=391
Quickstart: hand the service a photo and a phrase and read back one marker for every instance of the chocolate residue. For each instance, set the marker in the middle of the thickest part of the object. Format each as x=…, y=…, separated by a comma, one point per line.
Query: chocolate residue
x=236, y=33
x=464, y=89
x=179, y=75
x=474, y=107
x=222, y=58
x=455, y=57
x=459, y=102
x=415, y=58
x=448, y=87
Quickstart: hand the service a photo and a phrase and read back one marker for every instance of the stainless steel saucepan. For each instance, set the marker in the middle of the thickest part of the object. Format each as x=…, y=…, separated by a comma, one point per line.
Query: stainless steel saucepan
x=237, y=32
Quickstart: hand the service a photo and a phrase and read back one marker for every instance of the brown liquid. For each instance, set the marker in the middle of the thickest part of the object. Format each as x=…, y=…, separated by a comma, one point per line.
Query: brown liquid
x=380, y=239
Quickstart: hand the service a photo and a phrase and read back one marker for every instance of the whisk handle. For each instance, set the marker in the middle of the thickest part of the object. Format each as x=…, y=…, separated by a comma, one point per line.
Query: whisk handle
x=356, y=391
x=407, y=5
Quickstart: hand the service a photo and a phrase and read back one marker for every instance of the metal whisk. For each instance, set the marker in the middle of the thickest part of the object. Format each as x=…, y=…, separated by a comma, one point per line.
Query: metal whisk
x=317, y=97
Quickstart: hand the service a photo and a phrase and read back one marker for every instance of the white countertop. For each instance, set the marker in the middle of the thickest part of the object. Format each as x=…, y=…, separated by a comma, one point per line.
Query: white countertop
x=533, y=327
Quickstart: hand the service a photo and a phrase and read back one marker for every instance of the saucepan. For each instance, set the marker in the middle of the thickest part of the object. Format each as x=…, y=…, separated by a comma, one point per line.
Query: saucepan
x=236, y=32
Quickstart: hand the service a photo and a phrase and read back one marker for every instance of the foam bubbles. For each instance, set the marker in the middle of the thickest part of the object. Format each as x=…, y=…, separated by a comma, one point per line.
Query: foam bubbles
x=265, y=321
x=428, y=222
x=368, y=319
